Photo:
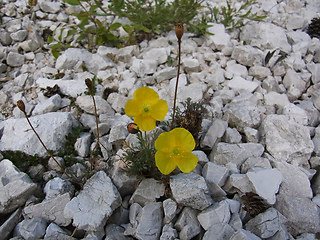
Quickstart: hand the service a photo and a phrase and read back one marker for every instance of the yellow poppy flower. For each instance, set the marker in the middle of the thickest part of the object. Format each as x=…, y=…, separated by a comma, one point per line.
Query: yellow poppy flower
x=174, y=149
x=146, y=108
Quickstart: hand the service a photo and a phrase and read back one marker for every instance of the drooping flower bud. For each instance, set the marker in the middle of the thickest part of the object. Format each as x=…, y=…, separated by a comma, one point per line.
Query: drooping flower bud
x=21, y=106
x=133, y=128
x=179, y=31
x=89, y=85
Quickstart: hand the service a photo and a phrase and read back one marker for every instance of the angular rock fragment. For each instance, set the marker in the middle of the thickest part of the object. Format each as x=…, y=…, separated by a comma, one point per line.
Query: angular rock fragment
x=15, y=187
x=95, y=203
x=187, y=224
x=191, y=190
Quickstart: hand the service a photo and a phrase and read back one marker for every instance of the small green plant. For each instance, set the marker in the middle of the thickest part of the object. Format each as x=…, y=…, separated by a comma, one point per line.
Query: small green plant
x=147, y=19
x=233, y=18
x=139, y=159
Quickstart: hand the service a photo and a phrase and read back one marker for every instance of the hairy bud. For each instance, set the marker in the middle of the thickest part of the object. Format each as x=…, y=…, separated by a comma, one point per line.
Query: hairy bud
x=21, y=106
x=133, y=128
x=89, y=85
x=179, y=31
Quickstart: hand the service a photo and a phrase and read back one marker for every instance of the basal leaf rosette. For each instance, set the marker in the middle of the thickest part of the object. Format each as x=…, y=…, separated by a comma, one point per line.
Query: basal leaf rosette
x=174, y=150
x=146, y=108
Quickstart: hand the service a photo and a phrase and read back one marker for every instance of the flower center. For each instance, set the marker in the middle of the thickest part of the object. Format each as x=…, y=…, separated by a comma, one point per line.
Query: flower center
x=146, y=108
x=176, y=152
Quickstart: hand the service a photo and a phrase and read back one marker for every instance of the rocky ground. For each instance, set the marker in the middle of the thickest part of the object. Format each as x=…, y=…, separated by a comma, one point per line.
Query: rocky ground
x=260, y=143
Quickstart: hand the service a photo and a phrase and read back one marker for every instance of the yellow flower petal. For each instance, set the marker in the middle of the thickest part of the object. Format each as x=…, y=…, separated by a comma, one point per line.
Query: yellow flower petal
x=188, y=162
x=159, y=110
x=164, y=142
x=184, y=138
x=164, y=163
x=131, y=108
x=145, y=123
x=146, y=95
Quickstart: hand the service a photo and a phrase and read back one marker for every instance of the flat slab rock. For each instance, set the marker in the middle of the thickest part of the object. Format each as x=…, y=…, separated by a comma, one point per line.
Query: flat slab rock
x=52, y=128
x=95, y=203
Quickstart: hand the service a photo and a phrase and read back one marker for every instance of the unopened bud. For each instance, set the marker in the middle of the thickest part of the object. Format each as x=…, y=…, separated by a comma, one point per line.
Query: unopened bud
x=179, y=31
x=133, y=128
x=21, y=106
x=89, y=85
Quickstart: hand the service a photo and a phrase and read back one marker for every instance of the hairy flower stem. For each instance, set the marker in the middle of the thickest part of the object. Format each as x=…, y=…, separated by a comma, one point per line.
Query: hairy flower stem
x=91, y=160
x=179, y=32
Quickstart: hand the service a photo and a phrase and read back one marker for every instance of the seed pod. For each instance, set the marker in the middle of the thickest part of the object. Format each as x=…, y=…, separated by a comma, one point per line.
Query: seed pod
x=133, y=128
x=21, y=106
x=89, y=85
x=179, y=31
x=32, y=2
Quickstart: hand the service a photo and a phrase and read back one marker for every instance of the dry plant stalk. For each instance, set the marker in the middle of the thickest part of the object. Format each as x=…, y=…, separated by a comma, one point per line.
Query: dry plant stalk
x=91, y=91
x=179, y=29
x=22, y=108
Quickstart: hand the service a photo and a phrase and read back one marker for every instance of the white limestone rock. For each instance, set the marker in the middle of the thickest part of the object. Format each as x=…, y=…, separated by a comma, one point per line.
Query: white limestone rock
x=219, y=38
x=214, y=133
x=49, y=7
x=114, y=232
x=86, y=104
x=239, y=84
x=143, y=67
x=50, y=210
x=302, y=214
x=146, y=222
x=243, y=114
x=276, y=99
x=251, y=135
x=9, y=224
x=190, y=189
x=56, y=187
x=165, y=74
x=168, y=233
x=54, y=232
x=52, y=128
x=82, y=145
x=202, y=156
x=117, y=102
x=265, y=183
x=266, y=224
x=265, y=35
x=255, y=162
x=170, y=209
x=149, y=190
x=300, y=41
x=219, y=231
x=187, y=224
x=259, y=72
x=295, y=113
x=316, y=141
x=235, y=153
x=294, y=84
x=214, y=173
x=158, y=54
x=125, y=54
x=233, y=69
x=314, y=68
x=29, y=229
x=15, y=59
x=216, y=214
x=286, y=140
x=15, y=187
x=242, y=234
x=125, y=184
x=95, y=203
x=71, y=88
x=191, y=65
x=247, y=55
x=51, y=104
x=295, y=182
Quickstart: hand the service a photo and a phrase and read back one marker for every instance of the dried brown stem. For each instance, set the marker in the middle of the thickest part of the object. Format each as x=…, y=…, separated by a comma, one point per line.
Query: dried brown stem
x=92, y=162
x=179, y=32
